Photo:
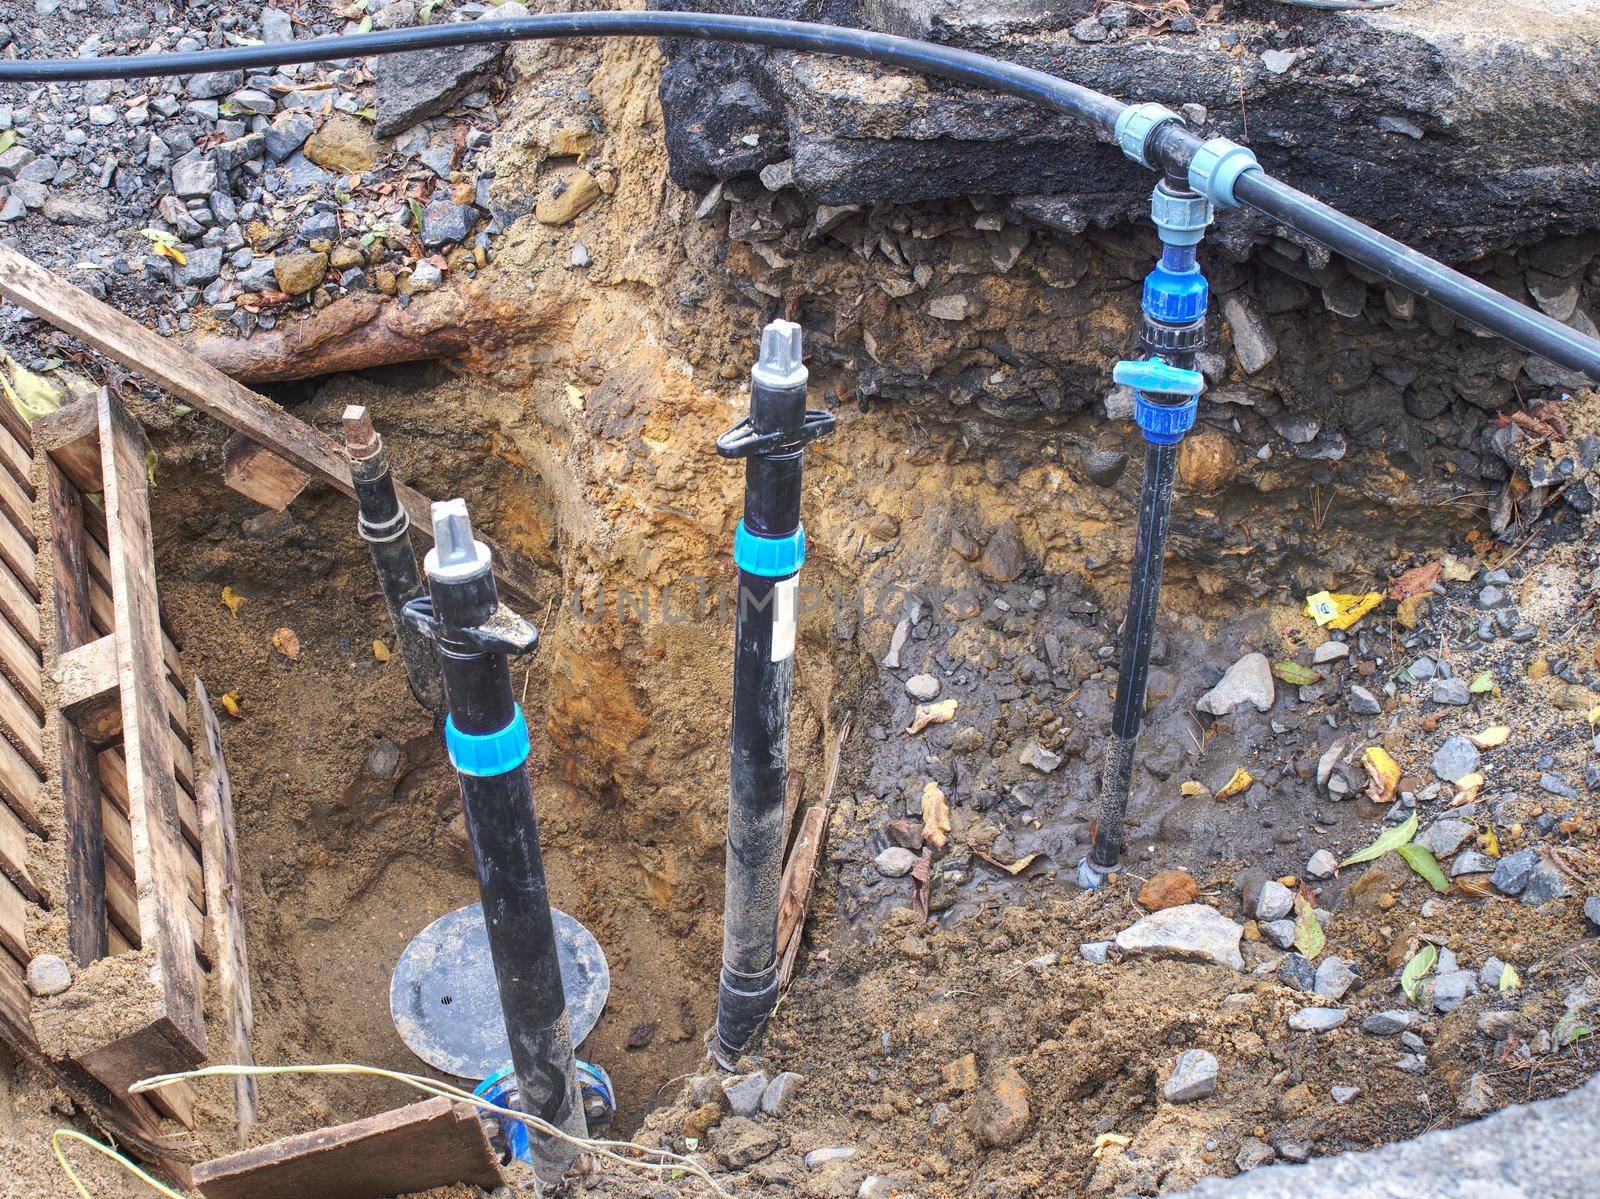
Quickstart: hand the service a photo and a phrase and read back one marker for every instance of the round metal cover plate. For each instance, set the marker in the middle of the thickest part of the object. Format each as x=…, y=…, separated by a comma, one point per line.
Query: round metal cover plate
x=446, y=1004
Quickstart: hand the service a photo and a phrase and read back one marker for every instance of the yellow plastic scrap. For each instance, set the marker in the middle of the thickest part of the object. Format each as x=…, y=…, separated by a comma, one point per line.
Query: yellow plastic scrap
x=1340, y=611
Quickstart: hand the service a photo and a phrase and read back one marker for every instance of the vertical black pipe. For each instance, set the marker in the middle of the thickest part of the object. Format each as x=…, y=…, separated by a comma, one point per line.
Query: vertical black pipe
x=768, y=548
x=386, y=529
x=488, y=740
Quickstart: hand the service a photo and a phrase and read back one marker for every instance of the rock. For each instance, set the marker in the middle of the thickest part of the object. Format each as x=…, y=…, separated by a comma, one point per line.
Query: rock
x=343, y=146
x=1274, y=901
x=69, y=210
x=1470, y=861
x=1249, y=680
x=780, y=1093
x=1476, y=1096
x=702, y=1120
x=1104, y=467
x=1168, y=889
x=1515, y=869
x=202, y=267
x=1000, y=1110
x=1591, y=909
x=1297, y=973
x=1279, y=932
x=952, y=306
x=1096, y=953
x=1194, y=931
x=895, y=862
x=1330, y=651
x=1334, y=978
x=1318, y=1019
x=1443, y=837
x=1343, y=1094
x=1278, y=61
x=299, y=272
x=194, y=176
x=1455, y=758
x=1003, y=557
x=424, y=277
x=289, y=131
x=818, y=1158
x=1390, y=1023
x=214, y=84
x=383, y=759
x=1489, y=973
x=1451, y=989
x=1549, y=783
x=738, y=1141
x=1253, y=343
x=1322, y=865
x=445, y=223
x=1544, y=884
x=276, y=27
x=879, y=1186
x=1363, y=702
x=1208, y=460
x=1193, y=1077
x=1035, y=755
x=897, y=642
x=1451, y=691
x=572, y=191
x=423, y=83
x=742, y=1092
x=1253, y=1153
x=961, y=1075
x=922, y=687
x=1090, y=30
x=48, y=975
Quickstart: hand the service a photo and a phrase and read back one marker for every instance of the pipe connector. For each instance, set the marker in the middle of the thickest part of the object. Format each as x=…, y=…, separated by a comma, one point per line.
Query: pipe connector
x=1181, y=220
x=1091, y=877
x=1137, y=123
x=456, y=556
x=779, y=365
x=1216, y=167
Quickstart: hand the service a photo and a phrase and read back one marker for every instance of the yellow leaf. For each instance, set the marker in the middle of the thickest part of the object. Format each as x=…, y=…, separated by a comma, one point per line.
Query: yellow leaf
x=1594, y=716
x=286, y=643
x=1340, y=611
x=168, y=250
x=574, y=396
x=1409, y=612
x=927, y=714
x=1510, y=980
x=380, y=651
x=232, y=599
x=1492, y=736
x=1383, y=773
x=1239, y=782
x=1193, y=788
x=1110, y=1140
x=1489, y=842
x=230, y=705
x=935, y=816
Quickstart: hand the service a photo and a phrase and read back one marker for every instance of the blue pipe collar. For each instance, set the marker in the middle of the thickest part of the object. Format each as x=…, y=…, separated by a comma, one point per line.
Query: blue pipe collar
x=770, y=557
x=487, y=754
x=1175, y=297
x=1164, y=424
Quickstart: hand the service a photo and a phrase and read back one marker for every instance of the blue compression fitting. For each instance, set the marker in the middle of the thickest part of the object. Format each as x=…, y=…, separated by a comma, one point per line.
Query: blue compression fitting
x=769, y=557
x=487, y=754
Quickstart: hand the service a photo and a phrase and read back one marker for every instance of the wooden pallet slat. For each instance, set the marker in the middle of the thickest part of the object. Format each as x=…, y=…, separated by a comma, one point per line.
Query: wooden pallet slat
x=147, y=747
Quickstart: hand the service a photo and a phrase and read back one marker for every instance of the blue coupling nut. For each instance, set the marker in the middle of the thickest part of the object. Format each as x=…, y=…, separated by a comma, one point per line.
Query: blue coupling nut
x=1161, y=423
x=1216, y=167
x=1137, y=123
x=1181, y=220
x=1175, y=297
x=769, y=557
x=488, y=754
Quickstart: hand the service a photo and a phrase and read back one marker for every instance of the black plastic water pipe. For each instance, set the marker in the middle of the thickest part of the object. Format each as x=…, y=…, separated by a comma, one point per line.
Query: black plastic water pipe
x=487, y=737
x=769, y=547
x=1156, y=139
x=385, y=527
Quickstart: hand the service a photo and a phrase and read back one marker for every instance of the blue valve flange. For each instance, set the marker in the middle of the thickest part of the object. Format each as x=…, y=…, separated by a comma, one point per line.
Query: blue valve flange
x=770, y=557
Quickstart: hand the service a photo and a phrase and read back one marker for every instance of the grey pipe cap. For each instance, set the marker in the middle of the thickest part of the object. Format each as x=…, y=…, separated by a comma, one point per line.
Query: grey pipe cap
x=780, y=365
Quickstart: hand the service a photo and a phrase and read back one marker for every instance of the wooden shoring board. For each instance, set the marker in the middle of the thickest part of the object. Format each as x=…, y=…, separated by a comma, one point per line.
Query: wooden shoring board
x=147, y=750
x=195, y=381
x=16, y=1013
x=224, y=897
x=416, y=1148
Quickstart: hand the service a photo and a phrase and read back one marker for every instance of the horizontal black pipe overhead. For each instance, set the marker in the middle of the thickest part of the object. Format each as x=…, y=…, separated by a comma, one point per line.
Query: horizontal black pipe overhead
x=1170, y=147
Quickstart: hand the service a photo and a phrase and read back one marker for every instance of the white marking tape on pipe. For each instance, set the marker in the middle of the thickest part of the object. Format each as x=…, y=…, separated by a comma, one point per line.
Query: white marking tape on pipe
x=785, y=616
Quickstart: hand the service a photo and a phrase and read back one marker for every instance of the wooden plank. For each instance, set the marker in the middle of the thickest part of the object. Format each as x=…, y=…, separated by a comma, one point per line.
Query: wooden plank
x=794, y=891
x=176, y=1101
x=100, y=594
x=16, y=553
x=119, y=849
x=16, y=451
x=147, y=746
x=21, y=724
x=80, y=772
x=416, y=1148
x=14, y=921
x=18, y=607
x=16, y=506
x=14, y=857
x=21, y=786
x=254, y=471
x=224, y=894
x=16, y=1010
x=124, y=340
x=114, y=777
x=87, y=693
x=20, y=660
x=71, y=436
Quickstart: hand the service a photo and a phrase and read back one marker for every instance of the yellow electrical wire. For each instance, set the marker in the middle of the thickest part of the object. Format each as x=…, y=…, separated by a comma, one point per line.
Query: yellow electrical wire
x=665, y=1163
x=107, y=1151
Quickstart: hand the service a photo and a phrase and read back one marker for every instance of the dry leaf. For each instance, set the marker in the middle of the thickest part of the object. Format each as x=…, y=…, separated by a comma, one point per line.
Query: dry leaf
x=380, y=651
x=286, y=643
x=1416, y=581
x=230, y=705
x=1489, y=842
x=1454, y=570
x=1383, y=773
x=935, y=816
x=1410, y=610
x=1594, y=716
x=1492, y=736
x=1193, y=788
x=1240, y=781
x=927, y=714
x=232, y=599
x=1012, y=868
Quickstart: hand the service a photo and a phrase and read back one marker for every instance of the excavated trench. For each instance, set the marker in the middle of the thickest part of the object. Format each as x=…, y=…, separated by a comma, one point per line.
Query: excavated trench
x=978, y=497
